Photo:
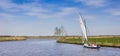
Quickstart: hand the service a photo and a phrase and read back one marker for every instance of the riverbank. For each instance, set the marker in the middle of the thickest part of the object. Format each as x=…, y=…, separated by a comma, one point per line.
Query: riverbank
x=12, y=38
x=105, y=41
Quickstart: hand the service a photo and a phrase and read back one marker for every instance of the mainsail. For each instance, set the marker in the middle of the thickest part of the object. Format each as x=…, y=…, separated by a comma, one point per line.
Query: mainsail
x=84, y=30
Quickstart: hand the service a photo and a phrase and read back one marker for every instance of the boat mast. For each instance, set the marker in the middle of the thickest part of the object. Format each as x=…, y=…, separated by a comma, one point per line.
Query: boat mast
x=84, y=30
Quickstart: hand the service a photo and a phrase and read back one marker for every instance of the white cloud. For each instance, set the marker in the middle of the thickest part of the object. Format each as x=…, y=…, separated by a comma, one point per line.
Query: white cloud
x=66, y=11
x=94, y=3
x=43, y=13
x=7, y=4
x=114, y=11
x=36, y=11
x=39, y=11
x=89, y=17
x=10, y=9
x=7, y=16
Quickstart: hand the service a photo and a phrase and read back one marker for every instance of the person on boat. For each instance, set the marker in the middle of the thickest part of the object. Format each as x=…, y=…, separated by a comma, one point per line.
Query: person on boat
x=93, y=44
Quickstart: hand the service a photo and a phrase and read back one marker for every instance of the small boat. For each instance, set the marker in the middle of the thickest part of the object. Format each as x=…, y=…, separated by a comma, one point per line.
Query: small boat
x=85, y=42
x=91, y=46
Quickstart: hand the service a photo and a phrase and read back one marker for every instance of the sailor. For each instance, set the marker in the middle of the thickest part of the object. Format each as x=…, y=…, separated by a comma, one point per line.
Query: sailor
x=92, y=44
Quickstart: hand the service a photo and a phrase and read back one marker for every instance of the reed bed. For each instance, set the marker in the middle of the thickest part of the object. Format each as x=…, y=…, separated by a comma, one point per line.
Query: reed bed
x=12, y=38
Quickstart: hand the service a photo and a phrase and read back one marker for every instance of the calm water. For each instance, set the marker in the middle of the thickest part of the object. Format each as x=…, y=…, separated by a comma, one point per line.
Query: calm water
x=51, y=48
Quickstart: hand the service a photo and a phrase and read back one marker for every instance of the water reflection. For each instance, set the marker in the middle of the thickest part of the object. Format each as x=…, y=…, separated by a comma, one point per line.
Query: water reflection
x=91, y=52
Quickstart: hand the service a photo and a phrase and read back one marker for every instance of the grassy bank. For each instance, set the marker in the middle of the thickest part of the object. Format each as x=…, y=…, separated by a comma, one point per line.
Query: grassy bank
x=12, y=38
x=108, y=41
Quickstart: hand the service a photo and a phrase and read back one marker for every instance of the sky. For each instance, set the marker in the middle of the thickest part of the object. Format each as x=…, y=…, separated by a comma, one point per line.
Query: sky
x=40, y=17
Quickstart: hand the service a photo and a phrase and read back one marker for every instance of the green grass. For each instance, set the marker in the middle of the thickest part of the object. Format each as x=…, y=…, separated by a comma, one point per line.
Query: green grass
x=111, y=41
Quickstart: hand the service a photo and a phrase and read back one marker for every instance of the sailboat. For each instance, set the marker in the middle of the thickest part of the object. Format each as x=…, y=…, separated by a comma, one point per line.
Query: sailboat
x=85, y=41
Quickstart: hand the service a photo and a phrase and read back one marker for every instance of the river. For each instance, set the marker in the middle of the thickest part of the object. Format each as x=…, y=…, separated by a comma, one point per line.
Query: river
x=51, y=48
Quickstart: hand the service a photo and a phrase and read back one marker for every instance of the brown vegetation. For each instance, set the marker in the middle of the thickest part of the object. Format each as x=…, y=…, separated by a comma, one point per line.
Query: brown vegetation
x=12, y=38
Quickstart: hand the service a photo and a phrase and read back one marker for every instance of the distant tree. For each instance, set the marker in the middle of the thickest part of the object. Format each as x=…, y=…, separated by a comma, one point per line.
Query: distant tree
x=60, y=31
x=56, y=33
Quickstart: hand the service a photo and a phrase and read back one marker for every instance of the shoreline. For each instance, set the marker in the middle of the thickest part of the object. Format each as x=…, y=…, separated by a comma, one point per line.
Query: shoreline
x=81, y=44
x=103, y=41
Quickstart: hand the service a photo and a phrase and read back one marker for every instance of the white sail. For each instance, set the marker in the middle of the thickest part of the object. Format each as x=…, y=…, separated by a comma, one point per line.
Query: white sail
x=85, y=37
x=84, y=30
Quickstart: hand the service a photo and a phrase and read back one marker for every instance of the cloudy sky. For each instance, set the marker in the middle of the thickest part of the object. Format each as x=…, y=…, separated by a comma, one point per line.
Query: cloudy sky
x=40, y=17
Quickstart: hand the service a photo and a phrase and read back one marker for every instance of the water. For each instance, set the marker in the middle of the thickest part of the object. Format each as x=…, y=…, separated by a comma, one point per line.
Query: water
x=51, y=48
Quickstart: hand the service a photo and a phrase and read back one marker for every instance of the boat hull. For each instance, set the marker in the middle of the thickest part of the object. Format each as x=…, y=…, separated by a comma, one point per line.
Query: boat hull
x=96, y=47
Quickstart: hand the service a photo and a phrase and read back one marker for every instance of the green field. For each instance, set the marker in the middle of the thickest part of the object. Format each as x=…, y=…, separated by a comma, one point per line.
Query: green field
x=100, y=40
